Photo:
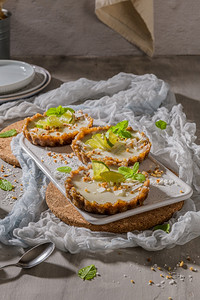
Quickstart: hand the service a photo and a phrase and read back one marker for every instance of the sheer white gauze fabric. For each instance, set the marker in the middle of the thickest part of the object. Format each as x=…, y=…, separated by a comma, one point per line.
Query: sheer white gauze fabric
x=140, y=99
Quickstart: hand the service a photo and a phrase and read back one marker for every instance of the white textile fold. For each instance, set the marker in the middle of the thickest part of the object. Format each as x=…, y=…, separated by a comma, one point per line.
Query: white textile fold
x=142, y=100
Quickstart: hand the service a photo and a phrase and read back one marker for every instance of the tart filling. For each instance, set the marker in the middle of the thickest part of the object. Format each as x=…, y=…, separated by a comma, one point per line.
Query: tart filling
x=108, y=192
x=111, y=147
x=56, y=127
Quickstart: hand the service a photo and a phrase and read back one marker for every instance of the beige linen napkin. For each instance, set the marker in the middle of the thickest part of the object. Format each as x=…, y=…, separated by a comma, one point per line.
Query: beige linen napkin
x=133, y=19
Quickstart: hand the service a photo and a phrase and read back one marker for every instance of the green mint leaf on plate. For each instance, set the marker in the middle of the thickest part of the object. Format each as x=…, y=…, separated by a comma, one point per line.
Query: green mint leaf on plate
x=88, y=272
x=58, y=111
x=64, y=169
x=125, y=134
x=164, y=227
x=119, y=126
x=135, y=167
x=8, y=133
x=120, y=129
x=6, y=185
x=132, y=172
x=127, y=172
x=161, y=124
x=140, y=177
x=51, y=111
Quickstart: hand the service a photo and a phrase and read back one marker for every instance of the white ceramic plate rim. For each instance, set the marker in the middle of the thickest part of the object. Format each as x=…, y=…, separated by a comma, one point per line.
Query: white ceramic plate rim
x=24, y=74
x=28, y=93
x=37, y=70
x=31, y=150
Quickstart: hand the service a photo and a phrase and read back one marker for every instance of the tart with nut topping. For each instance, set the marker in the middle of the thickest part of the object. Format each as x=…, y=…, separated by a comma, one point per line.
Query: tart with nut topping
x=101, y=190
x=115, y=145
x=56, y=127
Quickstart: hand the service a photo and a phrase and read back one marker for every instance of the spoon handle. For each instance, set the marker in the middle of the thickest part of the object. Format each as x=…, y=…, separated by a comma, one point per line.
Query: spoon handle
x=11, y=265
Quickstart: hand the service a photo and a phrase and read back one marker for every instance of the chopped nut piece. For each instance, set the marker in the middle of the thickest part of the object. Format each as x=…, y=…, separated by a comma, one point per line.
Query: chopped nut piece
x=192, y=269
x=181, y=264
x=132, y=281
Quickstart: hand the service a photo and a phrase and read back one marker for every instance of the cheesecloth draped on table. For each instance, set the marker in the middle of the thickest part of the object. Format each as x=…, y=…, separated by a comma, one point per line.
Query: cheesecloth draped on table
x=140, y=99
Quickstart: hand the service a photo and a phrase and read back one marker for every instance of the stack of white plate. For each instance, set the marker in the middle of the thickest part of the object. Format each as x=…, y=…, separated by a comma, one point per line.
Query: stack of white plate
x=19, y=80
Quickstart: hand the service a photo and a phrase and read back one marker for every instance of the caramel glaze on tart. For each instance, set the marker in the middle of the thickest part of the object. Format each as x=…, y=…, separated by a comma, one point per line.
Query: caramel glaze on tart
x=85, y=154
x=92, y=206
x=55, y=136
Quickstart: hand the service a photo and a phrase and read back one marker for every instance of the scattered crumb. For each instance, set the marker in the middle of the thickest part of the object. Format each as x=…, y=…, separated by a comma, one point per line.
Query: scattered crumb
x=192, y=269
x=132, y=281
x=172, y=281
x=148, y=259
x=181, y=264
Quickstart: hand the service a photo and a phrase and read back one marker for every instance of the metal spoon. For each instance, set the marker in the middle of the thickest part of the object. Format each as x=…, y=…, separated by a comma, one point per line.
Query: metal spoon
x=34, y=256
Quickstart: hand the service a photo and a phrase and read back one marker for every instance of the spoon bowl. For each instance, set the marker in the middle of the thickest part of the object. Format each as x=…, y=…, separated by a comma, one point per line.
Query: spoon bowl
x=34, y=256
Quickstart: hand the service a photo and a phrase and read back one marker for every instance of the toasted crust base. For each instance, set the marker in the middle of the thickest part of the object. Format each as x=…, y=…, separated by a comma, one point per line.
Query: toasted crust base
x=108, y=208
x=46, y=139
x=66, y=212
x=86, y=157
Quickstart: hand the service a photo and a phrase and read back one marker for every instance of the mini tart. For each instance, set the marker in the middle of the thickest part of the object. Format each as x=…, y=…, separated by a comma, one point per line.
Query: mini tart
x=135, y=149
x=55, y=136
x=102, y=197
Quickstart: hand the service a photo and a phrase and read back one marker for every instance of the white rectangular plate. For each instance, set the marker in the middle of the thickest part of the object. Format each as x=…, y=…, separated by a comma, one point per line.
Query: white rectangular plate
x=49, y=159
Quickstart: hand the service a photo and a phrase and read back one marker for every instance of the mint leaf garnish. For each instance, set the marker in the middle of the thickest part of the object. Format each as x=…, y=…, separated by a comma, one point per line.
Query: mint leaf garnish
x=58, y=111
x=140, y=177
x=127, y=172
x=135, y=167
x=164, y=227
x=64, y=169
x=161, y=124
x=88, y=272
x=8, y=133
x=120, y=129
x=132, y=172
x=6, y=185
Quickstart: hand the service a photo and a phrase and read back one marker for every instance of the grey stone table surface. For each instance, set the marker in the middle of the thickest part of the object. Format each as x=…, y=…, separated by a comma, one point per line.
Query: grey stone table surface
x=124, y=273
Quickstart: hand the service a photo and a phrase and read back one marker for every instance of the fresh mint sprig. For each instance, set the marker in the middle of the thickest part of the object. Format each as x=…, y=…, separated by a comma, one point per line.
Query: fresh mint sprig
x=64, y=169
x=8, y=133
x=6, y=185
x=161, y=124
x=132, y=172
x=58, y=111
x=164, y=227
x=120, y=130
x=88, y=272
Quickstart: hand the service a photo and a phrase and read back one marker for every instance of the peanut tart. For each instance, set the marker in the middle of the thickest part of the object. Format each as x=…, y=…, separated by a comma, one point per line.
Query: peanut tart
x=115, y=145
x=99, y=189
x=56, y=127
